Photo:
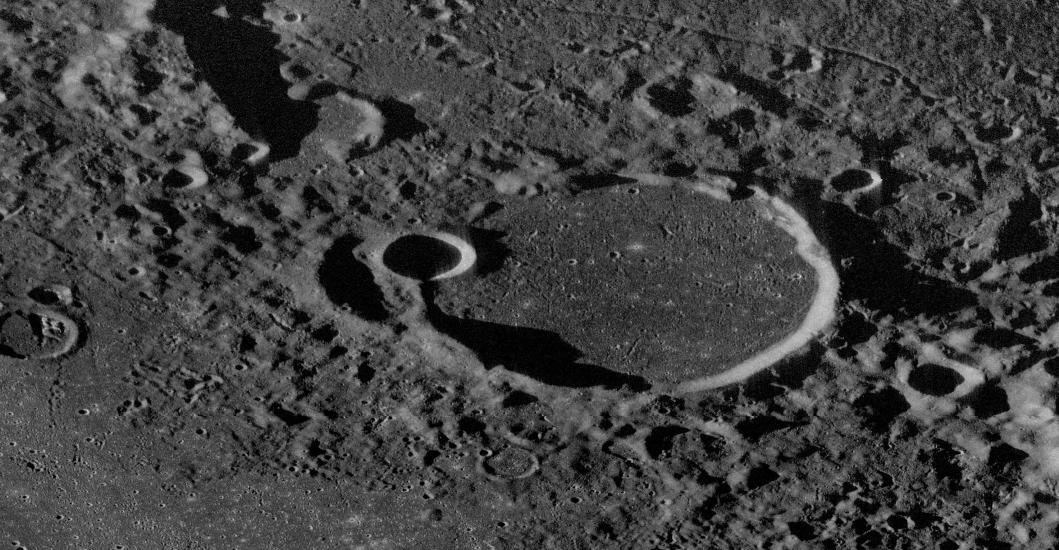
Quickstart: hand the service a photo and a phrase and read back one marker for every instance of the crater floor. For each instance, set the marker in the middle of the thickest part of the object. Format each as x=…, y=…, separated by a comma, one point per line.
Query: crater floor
x=658, y=282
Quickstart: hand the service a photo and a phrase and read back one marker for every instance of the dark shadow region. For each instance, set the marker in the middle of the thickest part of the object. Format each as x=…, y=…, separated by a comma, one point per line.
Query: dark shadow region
x=490, y=249
x=239, y=60
x=790, y=373
x=877, y=272
x=539, y=354
x=401, y=122
x=588, y=182
x=349, y=283
x=420, y=257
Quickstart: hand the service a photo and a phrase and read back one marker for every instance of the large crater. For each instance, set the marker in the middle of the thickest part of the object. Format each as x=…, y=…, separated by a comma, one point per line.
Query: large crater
x=655, y=282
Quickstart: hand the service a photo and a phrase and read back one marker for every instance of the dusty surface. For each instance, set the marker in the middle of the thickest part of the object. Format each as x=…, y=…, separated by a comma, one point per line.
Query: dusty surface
x=657, y=282
x=201, y=350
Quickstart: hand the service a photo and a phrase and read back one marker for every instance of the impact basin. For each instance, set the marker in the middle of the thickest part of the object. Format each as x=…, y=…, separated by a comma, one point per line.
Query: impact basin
x=661, y=283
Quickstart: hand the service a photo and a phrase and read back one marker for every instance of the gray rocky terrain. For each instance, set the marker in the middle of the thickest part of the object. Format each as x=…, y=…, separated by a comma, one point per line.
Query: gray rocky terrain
x=466, y=274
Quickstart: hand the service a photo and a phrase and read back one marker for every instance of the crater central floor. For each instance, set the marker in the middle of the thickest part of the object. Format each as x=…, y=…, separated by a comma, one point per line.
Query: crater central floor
x=658, y=282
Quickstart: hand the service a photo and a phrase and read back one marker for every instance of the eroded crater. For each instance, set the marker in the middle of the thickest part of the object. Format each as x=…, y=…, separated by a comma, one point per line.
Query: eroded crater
x=511, y=462
x=36, y=334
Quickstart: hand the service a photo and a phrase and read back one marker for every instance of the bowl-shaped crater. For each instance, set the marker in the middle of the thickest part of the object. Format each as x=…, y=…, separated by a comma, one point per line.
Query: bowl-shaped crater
x=428, y=257
x=855, y=180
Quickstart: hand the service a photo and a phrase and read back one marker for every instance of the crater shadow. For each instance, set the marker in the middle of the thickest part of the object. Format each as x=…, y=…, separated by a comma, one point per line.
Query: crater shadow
x=769, y=97
x=239, y=60
x=675, y=100
x=786, y=375
x=348, y=282
x=877, y=272
x=588, y=182
x=539, y=354
x=401, y=122
x=490, y=248
x=420, y=257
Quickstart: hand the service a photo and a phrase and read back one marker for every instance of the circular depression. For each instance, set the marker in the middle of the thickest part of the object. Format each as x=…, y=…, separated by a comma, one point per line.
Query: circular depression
x=36, y=333
x=658, y=282
x=435, y=256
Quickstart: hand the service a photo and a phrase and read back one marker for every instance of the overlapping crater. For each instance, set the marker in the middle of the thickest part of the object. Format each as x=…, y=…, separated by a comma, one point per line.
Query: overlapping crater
x=628, y=285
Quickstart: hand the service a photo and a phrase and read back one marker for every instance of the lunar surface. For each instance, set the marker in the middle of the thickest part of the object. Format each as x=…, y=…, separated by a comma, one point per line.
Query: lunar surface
x=661, y=284
x=482, y=275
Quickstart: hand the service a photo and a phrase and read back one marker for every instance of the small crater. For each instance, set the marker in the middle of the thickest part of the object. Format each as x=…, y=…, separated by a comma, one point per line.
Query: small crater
x=408, y=190
x=365, y=373
x=898, y=522
x=127, y=212
x=145, y=115
x=997, y=133
x=421, y=257
x=803, y=61
x=185, y=178
x=881, y=408
x=934, y=379
x=519, y=398
x=675, y=100
x=51, y=295
x=294, y=71
x=324, y=334
x=511, y=463
x=945, y=462
x=243, y=238
x=856, y=328
x=855, y=180
x=660, y=441
x=169, y=260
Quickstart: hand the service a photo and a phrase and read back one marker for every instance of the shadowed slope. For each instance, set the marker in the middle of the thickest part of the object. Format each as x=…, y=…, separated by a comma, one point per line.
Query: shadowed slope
x=240, y=62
